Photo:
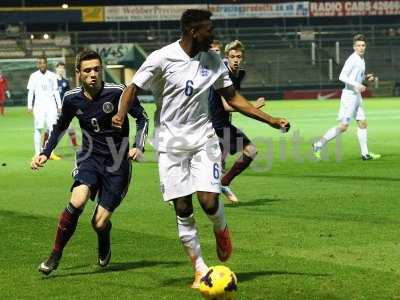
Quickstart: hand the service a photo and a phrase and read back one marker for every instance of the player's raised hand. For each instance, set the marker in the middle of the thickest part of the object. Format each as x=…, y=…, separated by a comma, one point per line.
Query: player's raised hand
x=117, y=121
x=282, y=124
x=260, y=102
x=370, y=77
x=135, y=154
x=38, y=161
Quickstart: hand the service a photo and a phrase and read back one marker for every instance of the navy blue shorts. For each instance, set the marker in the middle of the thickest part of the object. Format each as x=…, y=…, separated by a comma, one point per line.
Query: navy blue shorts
x=108, y=183
x=231, y=139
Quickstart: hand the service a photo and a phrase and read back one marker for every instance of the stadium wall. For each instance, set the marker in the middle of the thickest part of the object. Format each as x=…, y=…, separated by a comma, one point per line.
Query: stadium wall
x=277, y=36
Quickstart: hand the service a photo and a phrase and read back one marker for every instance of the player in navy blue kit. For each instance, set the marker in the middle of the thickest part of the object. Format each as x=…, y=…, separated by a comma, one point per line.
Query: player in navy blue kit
x=63, y=83
x=232, y=139
x=103, y=163
x=63, y=87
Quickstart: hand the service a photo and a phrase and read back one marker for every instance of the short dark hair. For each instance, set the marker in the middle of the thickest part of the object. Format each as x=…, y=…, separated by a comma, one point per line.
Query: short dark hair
x=359, y=38
x=60, y=63
x=86, y=55
x=42, y=57
x=192, y=17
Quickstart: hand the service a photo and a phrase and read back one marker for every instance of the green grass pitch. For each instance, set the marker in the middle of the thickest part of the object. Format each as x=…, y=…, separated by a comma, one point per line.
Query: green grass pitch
x=303, y=230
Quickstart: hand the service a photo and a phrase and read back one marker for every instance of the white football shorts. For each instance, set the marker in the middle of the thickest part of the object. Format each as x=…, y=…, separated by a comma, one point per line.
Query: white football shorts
x=351, y=107
x=45, y=118
x=184, y=173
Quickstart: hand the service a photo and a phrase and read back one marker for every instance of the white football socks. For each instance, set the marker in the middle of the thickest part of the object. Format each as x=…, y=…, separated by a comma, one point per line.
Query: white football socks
x=329, y=135
x=362, y=139
x=37, y=140
x=218, y=218
x=187, y=232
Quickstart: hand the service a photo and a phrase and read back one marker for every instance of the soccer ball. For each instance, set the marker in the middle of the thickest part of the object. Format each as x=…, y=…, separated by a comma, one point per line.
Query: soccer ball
x=219, y=283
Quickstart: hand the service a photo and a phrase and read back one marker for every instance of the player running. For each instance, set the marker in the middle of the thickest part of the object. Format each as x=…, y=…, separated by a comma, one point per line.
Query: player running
x=351, y=102
x=43, y=101
x=232, y=139
x=103, y=164
x=180, y=76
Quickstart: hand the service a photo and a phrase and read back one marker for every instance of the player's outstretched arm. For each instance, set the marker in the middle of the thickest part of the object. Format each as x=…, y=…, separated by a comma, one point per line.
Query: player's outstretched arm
x=127, y=98
x=241, y=104
x=227, y=107
x=260, y=102
x=38, y=161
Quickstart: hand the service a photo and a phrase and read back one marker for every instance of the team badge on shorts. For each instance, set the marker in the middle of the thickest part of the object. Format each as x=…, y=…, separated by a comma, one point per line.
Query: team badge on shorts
x=108, y=107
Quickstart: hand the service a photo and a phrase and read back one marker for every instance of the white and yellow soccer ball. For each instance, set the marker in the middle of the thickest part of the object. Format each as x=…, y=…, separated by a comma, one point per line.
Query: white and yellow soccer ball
x=219, y=283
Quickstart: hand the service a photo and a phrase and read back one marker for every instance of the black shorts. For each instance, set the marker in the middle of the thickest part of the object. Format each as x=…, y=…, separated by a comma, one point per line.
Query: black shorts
x=232, y=139
x=108, y=183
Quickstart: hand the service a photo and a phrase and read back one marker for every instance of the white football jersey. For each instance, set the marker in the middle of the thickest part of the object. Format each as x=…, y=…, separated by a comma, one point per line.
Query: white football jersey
x=180, y=85
x=352, y=73
x=44, y=88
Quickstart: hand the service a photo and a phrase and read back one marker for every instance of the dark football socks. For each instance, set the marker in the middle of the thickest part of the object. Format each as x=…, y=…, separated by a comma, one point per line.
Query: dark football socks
x=104, y=240
x=242, y=163
x=66, y=227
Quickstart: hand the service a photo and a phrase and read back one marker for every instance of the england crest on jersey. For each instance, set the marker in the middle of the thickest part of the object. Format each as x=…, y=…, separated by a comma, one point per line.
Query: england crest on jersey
x=204, y=71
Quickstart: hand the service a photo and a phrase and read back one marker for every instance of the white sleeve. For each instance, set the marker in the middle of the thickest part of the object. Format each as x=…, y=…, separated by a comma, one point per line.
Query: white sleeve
x=31, y=82
x=223, y=80
x=345, y=73
x=30, y=99
x=31, y=89
x=56, y=93
x=150, y=68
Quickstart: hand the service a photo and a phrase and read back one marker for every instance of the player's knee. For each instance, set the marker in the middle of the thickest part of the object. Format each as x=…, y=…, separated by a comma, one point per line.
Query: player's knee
x=80, y=195
x=183, y=212
x=99, y=224
x=209, y=203
x=183, y=207
x=78, y=202
x=250, y=150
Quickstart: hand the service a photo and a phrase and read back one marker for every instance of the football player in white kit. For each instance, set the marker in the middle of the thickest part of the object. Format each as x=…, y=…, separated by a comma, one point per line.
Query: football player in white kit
x=43, y=101
x=351, y=102
x=189, y=156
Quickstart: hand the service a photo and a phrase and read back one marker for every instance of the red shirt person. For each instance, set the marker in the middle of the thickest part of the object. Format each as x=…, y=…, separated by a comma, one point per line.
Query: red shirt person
x=4, y=93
